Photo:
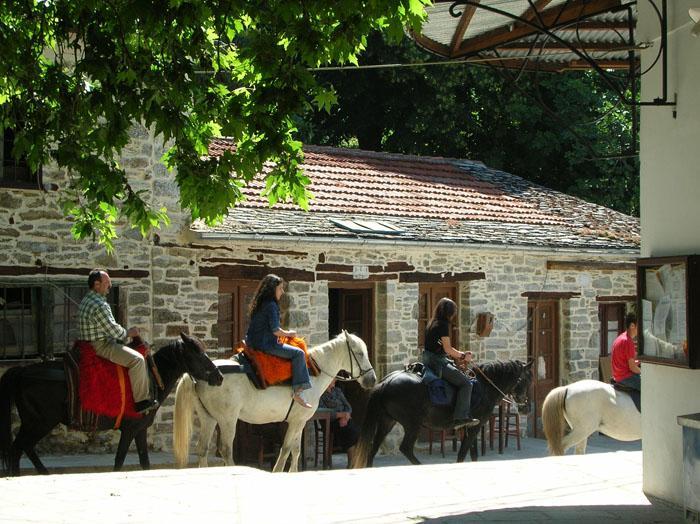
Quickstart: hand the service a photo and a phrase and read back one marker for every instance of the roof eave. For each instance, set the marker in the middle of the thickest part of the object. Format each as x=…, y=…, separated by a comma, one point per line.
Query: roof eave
x=360, y=241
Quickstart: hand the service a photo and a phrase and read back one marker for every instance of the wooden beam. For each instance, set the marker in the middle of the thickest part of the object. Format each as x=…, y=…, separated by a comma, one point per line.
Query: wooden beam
x=550, y=295
x=531, y=13
x=533, y=64
x=556, y=46
x=241, y=272
x=462, y=26
x=418, y=276
x=431, y=45
x=588, y=265
x=240, y=261
x=552, y=18
x=390, y=267
x=347, y=277
x=17, y=271
x=617, y=298
x=297, y=254
x=577, y=65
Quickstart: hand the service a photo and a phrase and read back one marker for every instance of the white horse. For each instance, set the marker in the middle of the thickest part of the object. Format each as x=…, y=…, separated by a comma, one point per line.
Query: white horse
x=584, y=407
x=237, y=398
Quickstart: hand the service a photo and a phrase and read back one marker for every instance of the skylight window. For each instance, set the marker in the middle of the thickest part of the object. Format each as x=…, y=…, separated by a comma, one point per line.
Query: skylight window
x=367, y=226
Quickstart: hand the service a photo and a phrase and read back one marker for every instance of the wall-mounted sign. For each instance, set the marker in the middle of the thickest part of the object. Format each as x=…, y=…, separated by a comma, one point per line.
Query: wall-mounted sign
x=360, y=272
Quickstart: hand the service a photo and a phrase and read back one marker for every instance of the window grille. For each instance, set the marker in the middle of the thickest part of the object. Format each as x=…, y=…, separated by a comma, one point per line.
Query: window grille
x=15, y=172
x=41, y=320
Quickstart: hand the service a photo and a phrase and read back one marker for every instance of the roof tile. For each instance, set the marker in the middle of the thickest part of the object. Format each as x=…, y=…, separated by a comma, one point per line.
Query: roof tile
x=413, y=192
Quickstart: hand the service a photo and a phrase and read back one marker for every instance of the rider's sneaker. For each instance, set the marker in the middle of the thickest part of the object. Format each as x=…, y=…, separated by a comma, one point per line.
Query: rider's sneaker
x=466, y=423
x=300, y=400
x=144, y=406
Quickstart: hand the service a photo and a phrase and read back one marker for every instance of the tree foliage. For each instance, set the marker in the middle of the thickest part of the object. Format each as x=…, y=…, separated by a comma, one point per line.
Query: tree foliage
x=76, y=74
x=553, y=129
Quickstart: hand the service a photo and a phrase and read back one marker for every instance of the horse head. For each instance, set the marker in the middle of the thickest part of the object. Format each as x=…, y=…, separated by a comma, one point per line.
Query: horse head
x=360, y=367
x=196, y=362
x=522, y=387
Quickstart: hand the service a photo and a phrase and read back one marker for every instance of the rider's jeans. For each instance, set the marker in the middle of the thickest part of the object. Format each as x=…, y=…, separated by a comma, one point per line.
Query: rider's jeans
x=464, y=390
x=444, y=369
x=300, y=373
x=635, y=382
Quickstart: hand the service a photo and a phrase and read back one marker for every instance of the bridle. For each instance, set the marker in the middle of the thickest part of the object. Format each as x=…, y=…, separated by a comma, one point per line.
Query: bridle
x=179, y=354
x=507, y=398
x=352, y=358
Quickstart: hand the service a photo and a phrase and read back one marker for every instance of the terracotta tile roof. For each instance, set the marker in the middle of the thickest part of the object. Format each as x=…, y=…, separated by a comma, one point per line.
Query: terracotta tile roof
x=429, y=198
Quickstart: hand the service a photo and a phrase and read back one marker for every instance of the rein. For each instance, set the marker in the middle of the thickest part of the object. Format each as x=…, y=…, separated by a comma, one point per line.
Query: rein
x=506, y=398
x=353, y=357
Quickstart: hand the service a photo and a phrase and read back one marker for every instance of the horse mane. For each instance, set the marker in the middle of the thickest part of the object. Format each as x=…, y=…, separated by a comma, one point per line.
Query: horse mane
x=500, y=368
x=322, y=347
x=168, y=350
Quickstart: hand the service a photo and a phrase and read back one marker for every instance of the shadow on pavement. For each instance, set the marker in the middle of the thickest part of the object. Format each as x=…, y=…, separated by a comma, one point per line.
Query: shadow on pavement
x=656, y=512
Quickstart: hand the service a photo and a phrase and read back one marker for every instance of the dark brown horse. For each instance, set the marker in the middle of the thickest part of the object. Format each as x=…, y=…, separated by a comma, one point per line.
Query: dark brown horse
x=402, y=397
x=41, y=396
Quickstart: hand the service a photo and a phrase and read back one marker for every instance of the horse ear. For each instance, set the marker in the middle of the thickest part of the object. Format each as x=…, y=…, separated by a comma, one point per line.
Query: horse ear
x=529, y=364
x=185, y=337
x=345, y=332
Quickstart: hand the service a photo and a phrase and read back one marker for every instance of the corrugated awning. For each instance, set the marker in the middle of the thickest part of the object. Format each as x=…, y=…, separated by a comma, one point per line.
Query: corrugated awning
x=547, y=35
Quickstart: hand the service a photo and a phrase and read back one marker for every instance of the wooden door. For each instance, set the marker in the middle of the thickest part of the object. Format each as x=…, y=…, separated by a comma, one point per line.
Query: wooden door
x=352, y=308
x=429, y=296
x=612, y=324
x=235, y=297
x=543, y=348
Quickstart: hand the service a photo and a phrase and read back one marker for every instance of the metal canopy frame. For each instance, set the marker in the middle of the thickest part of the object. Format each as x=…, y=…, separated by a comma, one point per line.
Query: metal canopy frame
x=538, y=22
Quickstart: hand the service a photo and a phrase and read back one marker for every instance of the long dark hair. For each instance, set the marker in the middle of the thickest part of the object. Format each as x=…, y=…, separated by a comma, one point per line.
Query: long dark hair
x=445, y=310
x=265, y=292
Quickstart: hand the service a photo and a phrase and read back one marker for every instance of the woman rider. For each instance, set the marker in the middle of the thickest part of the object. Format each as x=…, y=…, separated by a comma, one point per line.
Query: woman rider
x=264, y=328
x=438, y=349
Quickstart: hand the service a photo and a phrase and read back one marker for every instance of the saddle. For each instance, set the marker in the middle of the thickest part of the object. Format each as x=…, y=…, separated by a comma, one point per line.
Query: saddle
x=635, y=394
x=441, y=392
x=99, y=391
x=270, y=370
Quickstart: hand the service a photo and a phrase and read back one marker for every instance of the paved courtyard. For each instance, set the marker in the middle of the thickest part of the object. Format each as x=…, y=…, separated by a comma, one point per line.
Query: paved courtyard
x=522, y=486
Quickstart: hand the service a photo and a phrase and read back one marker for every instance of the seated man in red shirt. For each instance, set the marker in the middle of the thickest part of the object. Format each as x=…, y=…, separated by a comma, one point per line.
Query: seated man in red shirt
x=625, y=366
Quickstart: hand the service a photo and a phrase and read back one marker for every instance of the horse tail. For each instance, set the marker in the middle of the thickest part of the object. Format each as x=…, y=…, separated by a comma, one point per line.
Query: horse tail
x=185, y=396
x=8, y=386
x=553, y=420
x=364, y=445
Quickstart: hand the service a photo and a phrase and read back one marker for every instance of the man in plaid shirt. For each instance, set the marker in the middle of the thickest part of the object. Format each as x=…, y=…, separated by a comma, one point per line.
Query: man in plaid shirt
x=97, y=326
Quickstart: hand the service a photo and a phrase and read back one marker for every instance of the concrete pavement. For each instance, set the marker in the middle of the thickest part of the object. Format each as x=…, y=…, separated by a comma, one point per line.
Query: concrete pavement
x=601, y=486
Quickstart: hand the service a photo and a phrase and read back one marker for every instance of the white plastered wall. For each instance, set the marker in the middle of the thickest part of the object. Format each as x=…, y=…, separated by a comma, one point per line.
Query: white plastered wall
x=670, y=218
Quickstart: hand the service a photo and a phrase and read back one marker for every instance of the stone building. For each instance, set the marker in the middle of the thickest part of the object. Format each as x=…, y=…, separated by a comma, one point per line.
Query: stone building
x=386, y=236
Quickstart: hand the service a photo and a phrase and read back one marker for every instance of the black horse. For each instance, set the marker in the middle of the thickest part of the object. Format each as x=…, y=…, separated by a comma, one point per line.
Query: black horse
x=402, y=397
x=41, y=395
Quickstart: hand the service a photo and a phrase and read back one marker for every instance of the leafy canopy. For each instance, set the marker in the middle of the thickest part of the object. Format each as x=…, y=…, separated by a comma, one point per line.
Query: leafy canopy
x=75, y=75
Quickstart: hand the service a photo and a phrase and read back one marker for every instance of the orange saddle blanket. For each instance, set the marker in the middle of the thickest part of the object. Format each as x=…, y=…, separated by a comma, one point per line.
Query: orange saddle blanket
x=272, y=370
x=104, y=387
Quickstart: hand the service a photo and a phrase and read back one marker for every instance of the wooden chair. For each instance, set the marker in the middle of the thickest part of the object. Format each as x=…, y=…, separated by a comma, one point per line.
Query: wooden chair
x=605, y=369
x=320, y=445
x=444, y=434
x=511, y=425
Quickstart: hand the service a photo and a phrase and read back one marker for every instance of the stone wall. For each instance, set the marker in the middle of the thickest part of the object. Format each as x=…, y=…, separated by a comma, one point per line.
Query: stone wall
x=174, y=295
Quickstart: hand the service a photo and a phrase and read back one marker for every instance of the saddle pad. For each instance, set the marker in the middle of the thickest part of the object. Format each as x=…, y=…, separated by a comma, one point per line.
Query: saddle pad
x=442, y=393
x=105, y=388
x=272, y=370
